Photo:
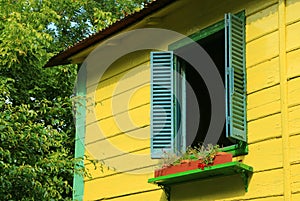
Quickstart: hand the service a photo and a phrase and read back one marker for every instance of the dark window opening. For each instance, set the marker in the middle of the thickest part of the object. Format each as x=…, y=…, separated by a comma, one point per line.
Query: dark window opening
x=198, y=103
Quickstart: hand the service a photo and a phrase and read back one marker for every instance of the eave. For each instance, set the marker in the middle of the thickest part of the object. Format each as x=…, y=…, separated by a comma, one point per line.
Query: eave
x=63, y=57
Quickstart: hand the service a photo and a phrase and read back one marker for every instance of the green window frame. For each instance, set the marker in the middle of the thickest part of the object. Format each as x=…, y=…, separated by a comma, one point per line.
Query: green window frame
x=164, y=138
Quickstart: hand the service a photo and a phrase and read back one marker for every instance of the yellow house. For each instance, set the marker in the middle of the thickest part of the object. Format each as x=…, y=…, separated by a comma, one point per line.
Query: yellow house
x=179, y=73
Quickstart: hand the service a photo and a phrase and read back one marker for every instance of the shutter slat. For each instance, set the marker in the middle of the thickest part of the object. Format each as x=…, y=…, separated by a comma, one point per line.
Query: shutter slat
x=236, y=125
x=165, y=131
x=162, y=124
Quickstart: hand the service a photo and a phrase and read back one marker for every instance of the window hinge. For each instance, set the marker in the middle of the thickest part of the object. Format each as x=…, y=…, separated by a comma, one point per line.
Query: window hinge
x=227, y=22
x=228, y=119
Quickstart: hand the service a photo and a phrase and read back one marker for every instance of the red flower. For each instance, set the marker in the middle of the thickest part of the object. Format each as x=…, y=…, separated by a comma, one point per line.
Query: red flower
x=201, y=166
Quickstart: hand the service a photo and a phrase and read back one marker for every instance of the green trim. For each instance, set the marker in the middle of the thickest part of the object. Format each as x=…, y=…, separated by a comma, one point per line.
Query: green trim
x=203, y=33
x=226, y=169
x=240, y=148
x=78, y=182
x=180, y=108
x=237, y=149
x=198, y=35
x=176, y=117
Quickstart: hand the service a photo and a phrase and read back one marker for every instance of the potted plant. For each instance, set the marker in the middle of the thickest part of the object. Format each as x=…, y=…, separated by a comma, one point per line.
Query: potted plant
x=194, y=157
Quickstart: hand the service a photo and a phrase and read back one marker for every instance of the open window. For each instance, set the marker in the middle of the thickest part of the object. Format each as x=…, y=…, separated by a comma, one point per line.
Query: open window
x=181, y=105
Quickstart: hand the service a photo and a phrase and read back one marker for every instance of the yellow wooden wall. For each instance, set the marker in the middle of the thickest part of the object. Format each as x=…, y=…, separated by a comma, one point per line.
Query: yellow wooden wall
x=272, y=37
x=292, y=57
x=273, y=112
x=122, y=113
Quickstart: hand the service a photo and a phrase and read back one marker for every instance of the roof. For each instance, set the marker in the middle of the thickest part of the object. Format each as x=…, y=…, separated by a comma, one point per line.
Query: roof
x=62, y=58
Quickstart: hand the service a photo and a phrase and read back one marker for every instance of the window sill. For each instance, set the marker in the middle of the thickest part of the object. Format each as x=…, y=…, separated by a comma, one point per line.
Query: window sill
x=237, y=149
x=231, y=168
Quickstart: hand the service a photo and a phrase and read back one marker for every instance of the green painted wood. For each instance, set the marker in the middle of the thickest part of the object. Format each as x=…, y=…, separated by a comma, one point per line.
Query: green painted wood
x=162, y=103
x=80, y=114
x=203, y=33
x=238, y=149
x=182, y=109
x=198, y=35
x=226, y=169
x=235, y=79
x=177, y=105
x=230, y=149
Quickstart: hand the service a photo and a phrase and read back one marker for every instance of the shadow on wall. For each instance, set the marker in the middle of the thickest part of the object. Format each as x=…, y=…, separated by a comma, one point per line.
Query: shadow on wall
x=210, y=189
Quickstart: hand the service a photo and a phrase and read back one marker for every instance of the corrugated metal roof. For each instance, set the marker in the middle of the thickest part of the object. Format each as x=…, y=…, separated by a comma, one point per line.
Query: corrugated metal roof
x=62, y=57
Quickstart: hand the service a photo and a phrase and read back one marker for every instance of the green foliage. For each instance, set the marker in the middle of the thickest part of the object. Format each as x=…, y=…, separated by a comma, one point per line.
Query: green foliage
x=108, y=12
x=35, y=153
x=205, y=153
x=36, y=122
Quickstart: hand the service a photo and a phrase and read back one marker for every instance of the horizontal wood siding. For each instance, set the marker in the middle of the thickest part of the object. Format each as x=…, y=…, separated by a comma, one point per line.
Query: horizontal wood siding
x=293, y=77
x=117, y=129
x=268, y=104
x=262, y=184
x=121, y=113
x=264, y=102
x=295, y=178
x=269, y=145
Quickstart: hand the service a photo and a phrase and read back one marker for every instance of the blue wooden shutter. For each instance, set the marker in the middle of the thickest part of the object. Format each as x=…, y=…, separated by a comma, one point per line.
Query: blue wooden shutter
x=236, y=125
x=162, y=103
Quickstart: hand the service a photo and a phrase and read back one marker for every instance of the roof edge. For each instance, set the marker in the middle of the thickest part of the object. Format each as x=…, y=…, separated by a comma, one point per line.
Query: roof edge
x=62, y=58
